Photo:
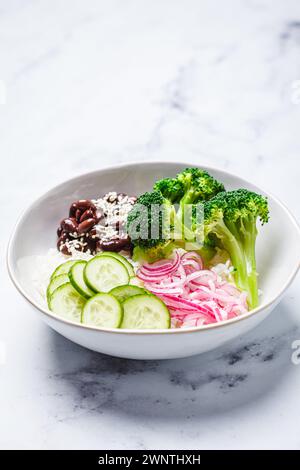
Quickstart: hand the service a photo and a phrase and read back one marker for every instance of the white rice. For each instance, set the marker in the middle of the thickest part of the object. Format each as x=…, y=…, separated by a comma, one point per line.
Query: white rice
x=224, y=271
x=40, y=267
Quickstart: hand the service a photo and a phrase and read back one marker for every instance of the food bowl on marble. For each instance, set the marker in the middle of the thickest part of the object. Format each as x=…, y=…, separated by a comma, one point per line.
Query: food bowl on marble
x=278, y=254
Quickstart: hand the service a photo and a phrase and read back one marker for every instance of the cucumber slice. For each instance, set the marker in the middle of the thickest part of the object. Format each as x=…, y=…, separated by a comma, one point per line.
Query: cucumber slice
x=103, y=273
x=124, y=292
x=67, y=303
x=122, y=259
x=55, y=283
x=63, y=268
x=146, y=311
x=103, y=310
x=77, y=279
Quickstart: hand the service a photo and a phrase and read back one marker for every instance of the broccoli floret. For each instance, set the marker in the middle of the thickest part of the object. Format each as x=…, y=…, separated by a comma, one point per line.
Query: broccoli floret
x=154, y=253
x=155, y=229
x=170, y=188
x=190, y=187
x=198, y=185
x=160, y=233
x=230, y=222
x=149, y=225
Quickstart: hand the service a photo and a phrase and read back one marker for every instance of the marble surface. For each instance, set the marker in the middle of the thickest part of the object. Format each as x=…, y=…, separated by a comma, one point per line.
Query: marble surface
x=90, y=83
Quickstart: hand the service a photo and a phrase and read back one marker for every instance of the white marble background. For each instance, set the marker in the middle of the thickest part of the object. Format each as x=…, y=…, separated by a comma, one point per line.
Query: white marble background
x=88, y=83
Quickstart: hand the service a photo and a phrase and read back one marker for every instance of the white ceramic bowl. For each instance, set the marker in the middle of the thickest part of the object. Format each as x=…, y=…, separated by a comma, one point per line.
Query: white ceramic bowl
x=278, y=255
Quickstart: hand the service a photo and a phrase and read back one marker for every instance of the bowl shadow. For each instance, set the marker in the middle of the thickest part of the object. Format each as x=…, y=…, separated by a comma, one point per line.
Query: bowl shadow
x=230, y=377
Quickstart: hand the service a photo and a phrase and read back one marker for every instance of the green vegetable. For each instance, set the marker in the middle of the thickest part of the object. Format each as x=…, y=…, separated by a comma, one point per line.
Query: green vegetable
x=76, y=278
x=120, y=258
x=54, y=283
x=171, y=188
x=124, y=292
x=149, y=232
x=63, y=268
x=102, y=310
x=155, y=235
x=66, y=302
x=198, y=186
x=230, y=222
x=146, y=311
x=103, y=273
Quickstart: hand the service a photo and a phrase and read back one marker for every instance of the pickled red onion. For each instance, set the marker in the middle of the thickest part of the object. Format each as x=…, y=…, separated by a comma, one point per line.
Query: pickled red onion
x=194, y=296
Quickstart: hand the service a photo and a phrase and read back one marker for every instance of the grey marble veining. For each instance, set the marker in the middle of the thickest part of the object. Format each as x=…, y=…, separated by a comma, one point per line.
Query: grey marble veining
x=93, y=83
x=206, y=384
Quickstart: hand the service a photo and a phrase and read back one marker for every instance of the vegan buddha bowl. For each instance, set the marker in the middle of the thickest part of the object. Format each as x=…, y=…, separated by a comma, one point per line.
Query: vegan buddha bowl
x=153, y=249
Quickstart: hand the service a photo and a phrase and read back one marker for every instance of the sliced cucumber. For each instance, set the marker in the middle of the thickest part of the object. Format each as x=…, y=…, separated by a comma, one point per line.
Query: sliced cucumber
x=63, y=268
x=103, y=310
x=143, y=312
x=124, y=292
x=77, y=279
x=55, y=283
x=67, y=303
x=103, y=273
x=122, y=259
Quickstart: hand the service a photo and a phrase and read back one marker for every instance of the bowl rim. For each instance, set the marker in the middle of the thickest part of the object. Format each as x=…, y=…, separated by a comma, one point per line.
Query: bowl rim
x=198, y=329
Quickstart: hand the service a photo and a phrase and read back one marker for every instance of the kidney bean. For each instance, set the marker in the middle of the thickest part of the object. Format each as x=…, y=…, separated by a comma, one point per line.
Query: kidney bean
x=69, y=225
x=86, y=225
x=59, y=231
x=94, y=234
x=77, y=215
x=63, y=237
x=61, y=244
x=64, y=249
x=113, y=245
x=82, y=205
x=88, y=214
x=91, y=245
x=81, y=226
x=73, y=210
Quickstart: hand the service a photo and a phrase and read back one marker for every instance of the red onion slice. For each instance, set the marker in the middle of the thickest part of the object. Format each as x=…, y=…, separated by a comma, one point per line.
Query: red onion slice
x=194, y=296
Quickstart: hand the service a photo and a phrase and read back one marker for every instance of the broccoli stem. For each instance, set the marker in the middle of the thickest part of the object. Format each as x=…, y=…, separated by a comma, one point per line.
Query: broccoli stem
x=245, y=234
x=183, y=234
x=187, y=199
x=231, y=217
x=233, y=247
x=249, y=238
